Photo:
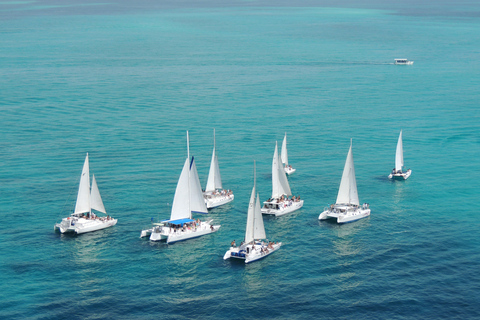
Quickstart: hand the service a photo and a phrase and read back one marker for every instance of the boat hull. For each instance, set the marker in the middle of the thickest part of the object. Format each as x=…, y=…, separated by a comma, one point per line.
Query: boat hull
x=401, y=175
x=349, y=215
x=282, y=210
x=249, y=253
x=82, y=225
x=171, y=235
x=289, y=170
x=213, y=201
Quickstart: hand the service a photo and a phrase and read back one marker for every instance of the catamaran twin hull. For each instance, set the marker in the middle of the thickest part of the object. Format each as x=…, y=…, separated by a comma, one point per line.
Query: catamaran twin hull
x=251, y=253
x=82, y=225
x=401, y=175
x=213, y=201
x=171, y=235
x=345, y=216
x=279, y=209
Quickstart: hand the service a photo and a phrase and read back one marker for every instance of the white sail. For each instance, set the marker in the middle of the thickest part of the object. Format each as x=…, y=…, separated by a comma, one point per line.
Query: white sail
x=347, y=193
x=284, y=151
x=197, y=203
x=83, y=197
x=95, y=198
x=188, y=194
x=280, y=184
x=399, y=154
x=214, y=179
x=250, y=230
x=181, y=205
x=259, y=229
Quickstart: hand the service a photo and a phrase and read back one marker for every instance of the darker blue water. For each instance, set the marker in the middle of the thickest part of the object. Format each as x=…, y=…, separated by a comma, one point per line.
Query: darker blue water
x=124, y=83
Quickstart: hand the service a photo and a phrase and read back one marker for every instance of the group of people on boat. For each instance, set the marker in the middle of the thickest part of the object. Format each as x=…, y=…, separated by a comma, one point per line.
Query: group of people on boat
x=93, y=216
x=398, y=171
x=222, y=192
x=186, y=226
x=283, y=201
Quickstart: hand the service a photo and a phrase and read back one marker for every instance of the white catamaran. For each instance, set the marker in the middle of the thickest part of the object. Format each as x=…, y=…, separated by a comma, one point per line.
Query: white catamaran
x=397, y=172
x=288, y=168
x=279, y=204
x=255, y=246
x=214, y=193
x=188, y=198
x=83, y=220
x=347, y=208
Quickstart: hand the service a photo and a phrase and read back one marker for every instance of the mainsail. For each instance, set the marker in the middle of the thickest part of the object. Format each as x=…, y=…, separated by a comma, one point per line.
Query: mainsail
x=399, y=154
x=284, y=151
x=83, y=197
x=255, y=228
x=180, y=206
x=188, y=194
x=250, y=230
x=280, y=184
x=347, y=193
x=214, y=179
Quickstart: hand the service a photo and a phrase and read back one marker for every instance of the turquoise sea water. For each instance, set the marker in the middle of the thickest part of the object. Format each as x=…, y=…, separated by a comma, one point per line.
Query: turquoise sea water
x=124, y=82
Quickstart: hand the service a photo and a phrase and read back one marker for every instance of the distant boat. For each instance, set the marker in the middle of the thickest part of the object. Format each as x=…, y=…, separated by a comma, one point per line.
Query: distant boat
x=347, y=208
x=279, y=204
x=288, y=168
x=214, y=193
x=403, y=62
x=188, y=198
x=397, y=172
x=255, y=246
x=83, y=220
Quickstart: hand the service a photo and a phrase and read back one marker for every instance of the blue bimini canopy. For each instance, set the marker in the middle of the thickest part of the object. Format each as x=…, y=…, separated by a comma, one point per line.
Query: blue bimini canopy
x=179, y=221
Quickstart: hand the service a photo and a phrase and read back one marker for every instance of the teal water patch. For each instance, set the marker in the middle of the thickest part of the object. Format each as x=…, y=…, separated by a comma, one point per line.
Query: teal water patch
x=126, y=87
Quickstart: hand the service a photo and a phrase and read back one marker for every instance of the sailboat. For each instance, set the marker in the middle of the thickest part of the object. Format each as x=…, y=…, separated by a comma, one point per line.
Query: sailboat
x=279, y=204
x=288, y=168
x=397, y=172
x=83, y=220
x=347, y=208
x=255, y=246
x=188, y=198
x=214, y=193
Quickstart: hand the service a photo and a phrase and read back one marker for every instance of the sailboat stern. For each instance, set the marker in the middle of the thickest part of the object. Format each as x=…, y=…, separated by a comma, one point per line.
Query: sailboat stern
x=67, y=225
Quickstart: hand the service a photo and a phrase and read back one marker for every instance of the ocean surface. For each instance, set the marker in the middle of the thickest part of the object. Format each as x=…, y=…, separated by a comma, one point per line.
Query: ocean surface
x=125, y=80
